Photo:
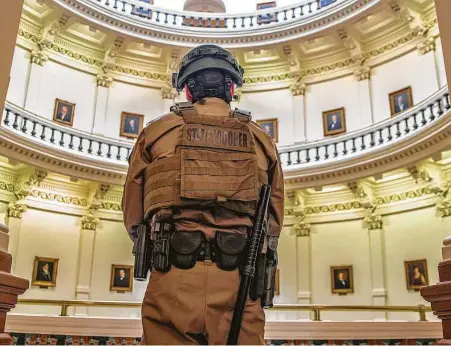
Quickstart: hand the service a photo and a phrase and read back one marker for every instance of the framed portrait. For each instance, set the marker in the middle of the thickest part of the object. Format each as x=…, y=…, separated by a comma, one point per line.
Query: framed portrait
x=277, y=284
x=334, y=122
x=400, y=100
x=416, y=274
x=271, y=127
x=342, y=280
x=45, y=271
x=131, y=124
x=267, y=18
x=64, y=112
x=121, y=278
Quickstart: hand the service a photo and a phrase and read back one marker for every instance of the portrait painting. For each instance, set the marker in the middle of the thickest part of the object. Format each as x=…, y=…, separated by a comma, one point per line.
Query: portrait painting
x=342, y=280
x=416, y=274
x=334, y=122
x=45, y=271
x=268, y=18
x=271, y=127
x=131, y=124
x=401, y=100
x=64, y=112
x=121, y=278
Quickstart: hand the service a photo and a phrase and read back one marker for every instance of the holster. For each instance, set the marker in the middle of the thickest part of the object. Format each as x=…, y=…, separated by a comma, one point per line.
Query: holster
x=161, y=246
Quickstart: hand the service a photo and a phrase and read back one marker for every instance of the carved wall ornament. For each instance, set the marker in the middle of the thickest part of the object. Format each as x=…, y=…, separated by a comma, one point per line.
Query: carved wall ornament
x=104, y=80
x=373, y=222
x=110, y=206
x=28, y=181
x=168, y=93
x=428, y=45
x=38, y=57
x=301, y=229
x=89, y=222
x=16, y=210
x=298, y=88
x=444, y=208
x=362, y=73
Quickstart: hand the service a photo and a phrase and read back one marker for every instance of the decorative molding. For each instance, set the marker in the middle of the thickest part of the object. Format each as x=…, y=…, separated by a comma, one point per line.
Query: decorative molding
x=168, y=93
x=428, y=45
x=301, y=229
x=55, y=197
x=424, y=191
x=110, y=206
x=444, y=208
x=89, y=222
x=16, y=210
x=28, y=181
x=373, y=222
x=38, y=57
x=103, y=80
x=362, y=73
x=298, y=88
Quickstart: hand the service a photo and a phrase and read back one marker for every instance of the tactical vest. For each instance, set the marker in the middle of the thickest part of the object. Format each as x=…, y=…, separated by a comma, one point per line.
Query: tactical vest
x=215, y=165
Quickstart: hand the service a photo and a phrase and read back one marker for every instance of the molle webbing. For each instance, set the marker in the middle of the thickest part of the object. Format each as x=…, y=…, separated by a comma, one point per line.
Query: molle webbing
x=215, y=164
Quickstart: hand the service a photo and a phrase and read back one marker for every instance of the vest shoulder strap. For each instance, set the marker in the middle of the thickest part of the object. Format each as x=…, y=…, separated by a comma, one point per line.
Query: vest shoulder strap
x=241, y=114
x=183, y=109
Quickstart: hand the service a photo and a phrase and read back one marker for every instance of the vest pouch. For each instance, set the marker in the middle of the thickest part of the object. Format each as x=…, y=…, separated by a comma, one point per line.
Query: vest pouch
x=229, y=249
x=218, y=176
x=185, y=248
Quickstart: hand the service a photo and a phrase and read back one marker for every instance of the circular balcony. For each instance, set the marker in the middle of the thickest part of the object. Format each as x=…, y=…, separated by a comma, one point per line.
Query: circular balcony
x=146, y=22
x=397, y=142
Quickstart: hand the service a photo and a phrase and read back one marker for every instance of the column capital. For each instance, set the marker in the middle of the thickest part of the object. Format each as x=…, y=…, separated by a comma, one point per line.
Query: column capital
x=373, y=222
x=16, y=210
x=428, y=45
x=301, y=229
x=444, y=208
x=39, y=58
x=168, y=93
x=362, y=73
x=89, y=222
x=298, y=88
x=104, y=80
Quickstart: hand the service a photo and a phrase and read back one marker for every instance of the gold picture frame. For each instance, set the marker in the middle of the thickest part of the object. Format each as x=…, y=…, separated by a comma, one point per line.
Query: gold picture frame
x=45, y=272
x=121, y=278
x=331, y=127
x=271, y=127
x=64, y=112
x=342, y=284
x=131, y=124
x=416, y=273
x=400, y=100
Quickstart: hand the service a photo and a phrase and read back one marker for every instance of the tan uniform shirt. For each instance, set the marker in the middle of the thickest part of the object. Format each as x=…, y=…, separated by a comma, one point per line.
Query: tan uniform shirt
x=152, y=146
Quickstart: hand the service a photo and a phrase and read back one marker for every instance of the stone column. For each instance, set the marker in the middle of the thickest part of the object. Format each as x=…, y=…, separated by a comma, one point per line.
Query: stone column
x=10, y=287
x=377, y=254
x=102, y=95
x=299, y=117
x=363, y=75
x=14, y=221
x=87, y=241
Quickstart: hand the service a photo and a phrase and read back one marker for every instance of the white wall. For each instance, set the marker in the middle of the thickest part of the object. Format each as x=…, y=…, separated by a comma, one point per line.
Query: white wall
x=272, y=104
x=440, y=63
x=413, y=69
x=19, y=77
x=134, y=99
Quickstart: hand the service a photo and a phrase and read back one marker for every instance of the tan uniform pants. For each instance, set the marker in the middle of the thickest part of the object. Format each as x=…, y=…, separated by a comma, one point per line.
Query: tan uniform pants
x=196, y=307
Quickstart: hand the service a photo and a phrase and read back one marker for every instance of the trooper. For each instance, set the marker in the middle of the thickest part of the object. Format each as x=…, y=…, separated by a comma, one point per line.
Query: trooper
x=194, y=179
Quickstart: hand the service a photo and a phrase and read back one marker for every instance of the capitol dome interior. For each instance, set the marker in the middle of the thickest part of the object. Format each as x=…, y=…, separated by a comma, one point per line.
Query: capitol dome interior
x=353, y=92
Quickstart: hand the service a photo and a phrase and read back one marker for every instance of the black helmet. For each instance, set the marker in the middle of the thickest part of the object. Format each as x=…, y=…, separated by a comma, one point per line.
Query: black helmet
x=207, y=57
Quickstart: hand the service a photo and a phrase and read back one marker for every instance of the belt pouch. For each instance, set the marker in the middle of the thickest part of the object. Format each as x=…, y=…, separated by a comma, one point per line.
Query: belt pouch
x=185, y=248
x=229, y=249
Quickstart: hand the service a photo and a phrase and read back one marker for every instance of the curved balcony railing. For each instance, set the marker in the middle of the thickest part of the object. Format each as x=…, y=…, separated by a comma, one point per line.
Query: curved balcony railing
x=369, y=139
x=378, y=136
x=159, y=16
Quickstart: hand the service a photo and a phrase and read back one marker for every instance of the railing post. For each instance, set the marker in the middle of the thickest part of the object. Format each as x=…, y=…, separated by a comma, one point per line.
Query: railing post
x=64, y=309
x=422, y=311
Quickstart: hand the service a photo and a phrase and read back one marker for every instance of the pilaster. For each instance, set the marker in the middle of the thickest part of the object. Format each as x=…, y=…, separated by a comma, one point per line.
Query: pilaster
x=89, y=225
x=168, y=94
x=102, y=93
x=363, y=74
x=298, y=90
x=14, y=222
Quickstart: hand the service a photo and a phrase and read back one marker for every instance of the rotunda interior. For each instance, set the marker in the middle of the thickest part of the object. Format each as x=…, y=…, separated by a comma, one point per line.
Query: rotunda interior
x=353, y=93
